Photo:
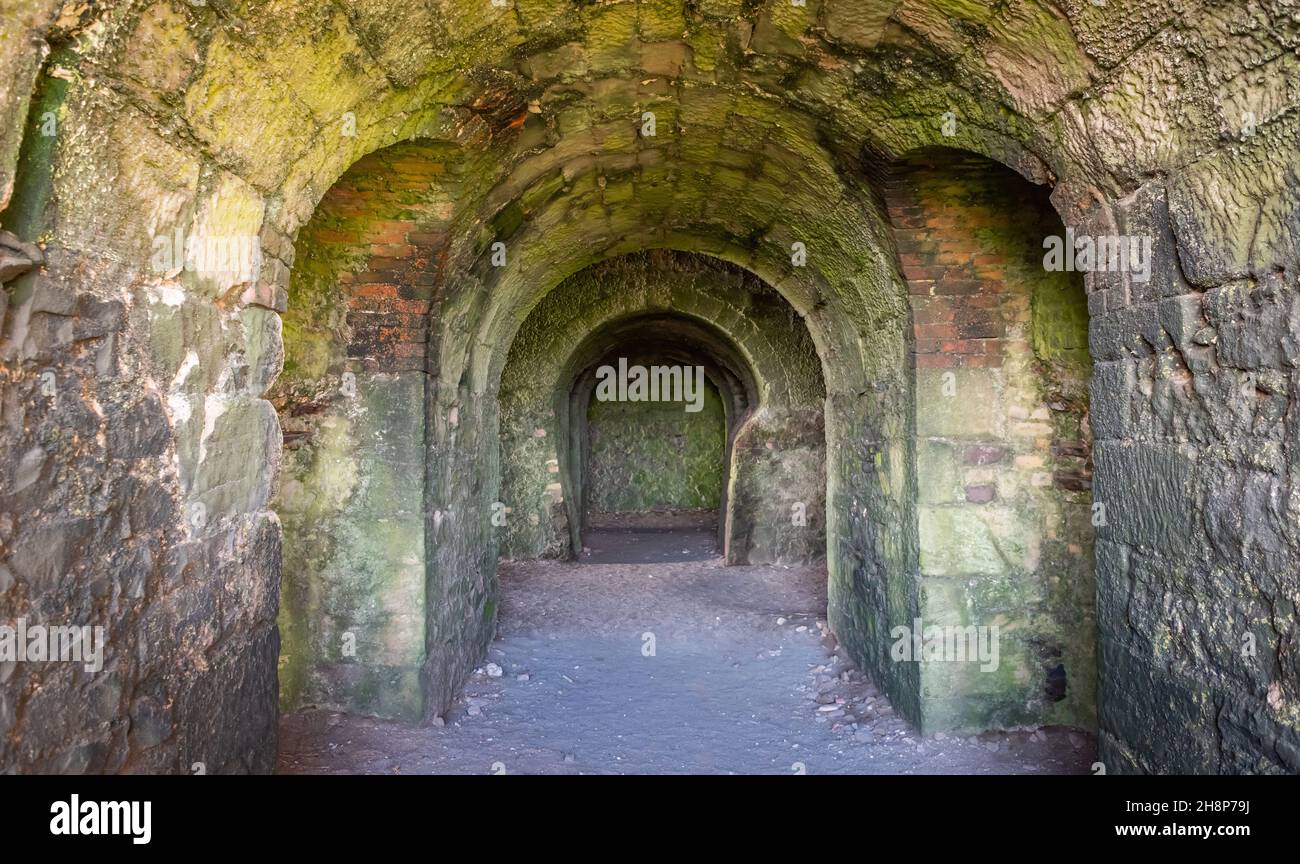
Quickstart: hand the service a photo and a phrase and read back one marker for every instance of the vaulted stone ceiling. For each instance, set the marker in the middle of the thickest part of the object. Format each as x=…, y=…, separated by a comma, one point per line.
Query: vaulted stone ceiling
x=261, y=90
x=768, y=119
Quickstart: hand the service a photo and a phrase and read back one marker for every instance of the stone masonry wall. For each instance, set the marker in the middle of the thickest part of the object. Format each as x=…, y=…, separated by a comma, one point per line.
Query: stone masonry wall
x=1198, y=560
x=655, y=455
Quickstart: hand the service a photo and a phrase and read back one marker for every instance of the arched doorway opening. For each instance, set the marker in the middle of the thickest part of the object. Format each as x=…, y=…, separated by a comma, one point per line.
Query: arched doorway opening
x=1004, y=444
x=654, y=445
x=764, y=467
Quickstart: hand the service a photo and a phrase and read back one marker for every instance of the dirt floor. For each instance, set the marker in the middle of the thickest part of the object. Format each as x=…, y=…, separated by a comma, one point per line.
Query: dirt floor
x=612, y=665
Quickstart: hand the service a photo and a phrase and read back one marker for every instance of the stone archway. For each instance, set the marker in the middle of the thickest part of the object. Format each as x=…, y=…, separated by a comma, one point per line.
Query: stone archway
x=756, y=348
x=351, y=400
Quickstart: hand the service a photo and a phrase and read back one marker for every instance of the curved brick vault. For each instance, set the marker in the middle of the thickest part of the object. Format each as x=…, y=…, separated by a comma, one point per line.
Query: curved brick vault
x=379, y=151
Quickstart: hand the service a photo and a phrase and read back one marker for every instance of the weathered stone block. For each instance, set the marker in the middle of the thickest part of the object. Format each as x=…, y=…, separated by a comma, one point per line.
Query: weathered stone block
x=967, y=541
x=241, y=436
x=1148, y=493
x=1113, y=386
x=959, y=403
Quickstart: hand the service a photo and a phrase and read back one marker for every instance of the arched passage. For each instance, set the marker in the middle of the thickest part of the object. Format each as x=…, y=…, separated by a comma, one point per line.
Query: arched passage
x=354, y=598
x=754, y=347
x=416, y=273
x=798, y=358
x=614, y=452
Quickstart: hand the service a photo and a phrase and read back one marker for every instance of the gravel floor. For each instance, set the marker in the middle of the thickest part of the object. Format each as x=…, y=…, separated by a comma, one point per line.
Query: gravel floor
x=665, y=667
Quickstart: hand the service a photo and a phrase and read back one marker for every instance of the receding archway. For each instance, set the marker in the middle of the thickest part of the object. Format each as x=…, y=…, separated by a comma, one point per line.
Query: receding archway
x=632, y=454
x=696, y=311
x=372, y=337
x=148, y=479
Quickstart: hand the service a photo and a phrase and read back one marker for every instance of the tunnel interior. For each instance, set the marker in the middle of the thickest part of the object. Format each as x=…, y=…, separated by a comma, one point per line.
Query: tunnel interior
x=677, y=310
x=666, y=449
x=987, y=471
x=305, y=308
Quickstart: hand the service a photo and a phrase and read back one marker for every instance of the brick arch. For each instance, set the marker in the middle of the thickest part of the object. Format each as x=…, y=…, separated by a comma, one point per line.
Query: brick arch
x=362, y=301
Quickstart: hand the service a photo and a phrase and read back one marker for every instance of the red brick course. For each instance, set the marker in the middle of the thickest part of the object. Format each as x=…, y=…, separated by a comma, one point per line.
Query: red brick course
x=385, y=217
x=959, y=300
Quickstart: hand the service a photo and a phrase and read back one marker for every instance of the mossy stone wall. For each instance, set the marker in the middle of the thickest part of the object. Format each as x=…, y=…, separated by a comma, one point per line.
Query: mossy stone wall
x=656, y=455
